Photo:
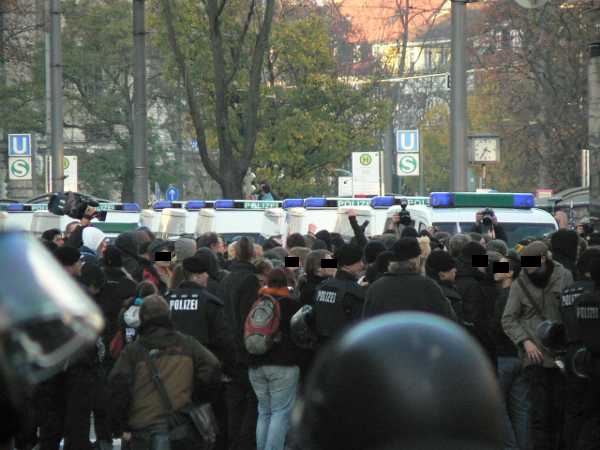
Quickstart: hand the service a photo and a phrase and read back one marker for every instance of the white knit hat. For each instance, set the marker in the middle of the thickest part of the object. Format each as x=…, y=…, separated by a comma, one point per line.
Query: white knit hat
x=92, y=238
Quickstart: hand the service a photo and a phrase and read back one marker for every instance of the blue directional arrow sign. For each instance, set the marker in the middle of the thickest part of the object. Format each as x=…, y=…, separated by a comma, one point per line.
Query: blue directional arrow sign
x=172, y=193
x=19, y=145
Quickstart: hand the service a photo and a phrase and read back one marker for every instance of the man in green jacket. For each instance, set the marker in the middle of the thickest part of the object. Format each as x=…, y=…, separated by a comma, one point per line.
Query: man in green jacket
x=534, y=298
x=189, y=372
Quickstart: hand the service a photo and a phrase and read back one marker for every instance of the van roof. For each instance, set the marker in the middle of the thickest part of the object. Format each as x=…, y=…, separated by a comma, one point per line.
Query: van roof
x=533, y=215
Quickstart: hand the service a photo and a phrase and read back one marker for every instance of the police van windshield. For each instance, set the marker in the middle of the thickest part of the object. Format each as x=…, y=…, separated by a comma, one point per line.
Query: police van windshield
x=448, y=227
x=516, y=232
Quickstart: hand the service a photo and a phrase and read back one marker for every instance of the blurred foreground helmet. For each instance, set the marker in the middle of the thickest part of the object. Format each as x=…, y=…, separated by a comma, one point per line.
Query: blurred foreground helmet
x=45, y=317
x=404, y=381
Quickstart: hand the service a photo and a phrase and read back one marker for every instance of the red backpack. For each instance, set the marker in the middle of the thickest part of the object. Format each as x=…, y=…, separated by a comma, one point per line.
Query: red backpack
x=261, y=329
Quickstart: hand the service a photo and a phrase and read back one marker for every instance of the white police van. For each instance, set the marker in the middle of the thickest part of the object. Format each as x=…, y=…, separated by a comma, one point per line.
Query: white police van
x=330, y=214
x=230, y=218
x=35, y=217
x=455, y=213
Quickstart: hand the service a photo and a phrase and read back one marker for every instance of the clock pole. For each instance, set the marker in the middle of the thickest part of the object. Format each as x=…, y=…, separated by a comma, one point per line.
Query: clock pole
x=458, y=96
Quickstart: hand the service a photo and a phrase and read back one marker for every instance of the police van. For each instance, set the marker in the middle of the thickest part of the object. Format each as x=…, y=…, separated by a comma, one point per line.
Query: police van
x=230, y=218
x=35, y=217
x=330, y=213
x=455, y=213
x=259, y=219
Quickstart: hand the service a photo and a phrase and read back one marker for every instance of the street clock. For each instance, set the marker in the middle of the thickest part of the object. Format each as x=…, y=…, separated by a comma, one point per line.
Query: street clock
x=484, y=149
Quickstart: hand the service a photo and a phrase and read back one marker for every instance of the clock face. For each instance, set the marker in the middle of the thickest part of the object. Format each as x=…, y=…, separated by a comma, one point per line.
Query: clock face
x=485, y=150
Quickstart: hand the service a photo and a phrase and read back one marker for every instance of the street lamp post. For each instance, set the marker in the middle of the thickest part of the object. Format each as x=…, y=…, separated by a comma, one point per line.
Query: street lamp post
x=458, y=98
x=140, y=156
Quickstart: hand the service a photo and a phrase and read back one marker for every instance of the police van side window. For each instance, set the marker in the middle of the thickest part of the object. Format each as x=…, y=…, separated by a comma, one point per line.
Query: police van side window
x=422, y=226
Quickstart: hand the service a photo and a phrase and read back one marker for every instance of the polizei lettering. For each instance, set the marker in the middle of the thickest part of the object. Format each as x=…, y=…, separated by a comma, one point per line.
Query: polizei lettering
x=184, y=305
x=326, y=296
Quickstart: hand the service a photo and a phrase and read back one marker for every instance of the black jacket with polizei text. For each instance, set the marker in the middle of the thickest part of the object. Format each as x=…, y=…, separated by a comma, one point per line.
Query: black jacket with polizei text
x=198, y=313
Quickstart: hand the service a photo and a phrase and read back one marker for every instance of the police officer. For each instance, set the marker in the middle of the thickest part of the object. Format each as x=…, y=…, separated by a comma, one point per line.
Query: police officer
x=402, y=381
x=197, y=312
x=577, y=388
x=339, y=300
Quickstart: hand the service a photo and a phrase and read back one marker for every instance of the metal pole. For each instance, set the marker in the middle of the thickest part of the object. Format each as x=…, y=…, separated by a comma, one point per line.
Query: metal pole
x=458, y=102
x=594, y=131
x=140, y=157
x=389, y=144
x=421, y=174
x=56, y=97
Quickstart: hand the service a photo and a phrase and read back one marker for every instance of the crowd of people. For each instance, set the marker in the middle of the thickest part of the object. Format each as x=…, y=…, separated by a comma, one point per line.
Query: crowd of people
x=182, y=307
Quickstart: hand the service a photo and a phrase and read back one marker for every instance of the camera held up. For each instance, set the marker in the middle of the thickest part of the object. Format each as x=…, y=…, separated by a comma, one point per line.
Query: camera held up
x=74, y=205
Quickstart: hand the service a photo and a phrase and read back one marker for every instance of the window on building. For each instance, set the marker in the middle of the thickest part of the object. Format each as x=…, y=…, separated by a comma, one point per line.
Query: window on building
x=356, y=54
x=444, y=54
x=515, y=39
x=428, y=59
x=499, y=40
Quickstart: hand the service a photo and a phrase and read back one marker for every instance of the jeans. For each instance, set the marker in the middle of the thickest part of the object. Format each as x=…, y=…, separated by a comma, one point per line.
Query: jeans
x=275, y=388
x=513, y=386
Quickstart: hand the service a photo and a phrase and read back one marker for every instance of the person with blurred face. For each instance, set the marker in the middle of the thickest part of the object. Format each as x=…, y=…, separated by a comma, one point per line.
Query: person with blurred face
x=339, y=300
x=533, y=298
x=314, y=274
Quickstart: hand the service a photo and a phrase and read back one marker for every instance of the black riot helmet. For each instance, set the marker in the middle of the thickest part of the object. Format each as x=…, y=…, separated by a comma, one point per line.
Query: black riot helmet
x=402, y=381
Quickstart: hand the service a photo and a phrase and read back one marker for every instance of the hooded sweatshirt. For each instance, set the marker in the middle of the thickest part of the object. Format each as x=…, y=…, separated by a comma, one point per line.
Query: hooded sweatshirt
x=128, y=244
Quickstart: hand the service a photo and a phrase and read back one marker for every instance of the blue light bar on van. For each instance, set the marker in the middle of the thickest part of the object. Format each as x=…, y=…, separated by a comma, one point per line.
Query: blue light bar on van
x=224, y=204
x=442, y=199
x=382, y=201
x=195, y=204
x=162, y=204
x=524, y=201
x=130, y=207
x=15, y=207
x=315, y=202
x=293, y=203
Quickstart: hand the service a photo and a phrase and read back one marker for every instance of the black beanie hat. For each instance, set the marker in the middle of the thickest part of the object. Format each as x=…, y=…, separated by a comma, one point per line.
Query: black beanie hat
x=197, y=264
x=112, y=257
x=67, y=256
x=92, y=275
x=471, y=249
x=440, y=261
x=372, y=249
x=565, y=243
x=348, y=254
x=406, y=248
x=325, y=237
x=319, y=245
x=409, y=232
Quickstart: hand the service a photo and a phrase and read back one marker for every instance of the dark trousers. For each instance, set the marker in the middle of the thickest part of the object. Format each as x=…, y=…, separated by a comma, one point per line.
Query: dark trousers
x=101, y=409
x=242, y=412
x=65, y=403
x=546, y=412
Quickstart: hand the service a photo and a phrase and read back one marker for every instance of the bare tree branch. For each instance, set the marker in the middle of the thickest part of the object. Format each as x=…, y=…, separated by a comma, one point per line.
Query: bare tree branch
x=195, y=112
